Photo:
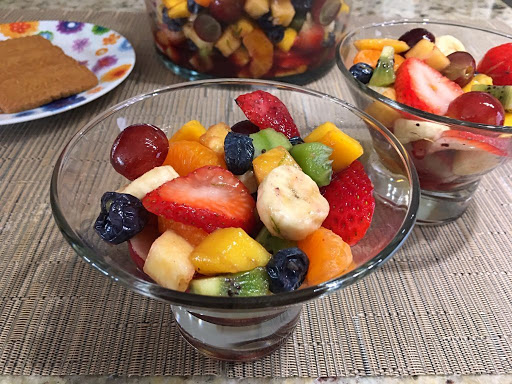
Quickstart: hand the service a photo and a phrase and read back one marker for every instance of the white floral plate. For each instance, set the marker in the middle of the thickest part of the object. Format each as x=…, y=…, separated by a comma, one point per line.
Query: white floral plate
x=105, y=52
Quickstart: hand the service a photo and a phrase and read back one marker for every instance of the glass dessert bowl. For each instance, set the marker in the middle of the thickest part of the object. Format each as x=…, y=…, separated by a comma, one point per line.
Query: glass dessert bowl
x=287, y=40
x=229, y=328
x=450, y=155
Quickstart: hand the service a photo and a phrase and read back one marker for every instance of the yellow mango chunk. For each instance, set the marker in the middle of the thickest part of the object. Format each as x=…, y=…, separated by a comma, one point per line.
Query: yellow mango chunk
x=478, y=79
x=190, y=131
x=398, y=45
x=345, y=149
x=243, y=27
x=269, y=160
x=179, y=11
x=289, y=38
x=508, y=119
x=214, y=138
x=228, y=250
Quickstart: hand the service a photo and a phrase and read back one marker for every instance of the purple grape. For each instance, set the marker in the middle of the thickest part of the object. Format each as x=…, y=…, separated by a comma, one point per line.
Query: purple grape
x=461, y=69
x=207, y=28
x=245, y=127
x=414, y=35
x=227, y=11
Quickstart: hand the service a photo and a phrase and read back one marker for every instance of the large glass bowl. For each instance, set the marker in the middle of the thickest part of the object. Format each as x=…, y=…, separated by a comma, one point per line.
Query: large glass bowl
x=449, y=168
x=291, y=41
x=228, y=328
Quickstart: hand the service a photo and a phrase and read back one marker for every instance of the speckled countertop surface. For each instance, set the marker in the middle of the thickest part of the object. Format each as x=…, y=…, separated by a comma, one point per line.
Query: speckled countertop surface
x=440, y=9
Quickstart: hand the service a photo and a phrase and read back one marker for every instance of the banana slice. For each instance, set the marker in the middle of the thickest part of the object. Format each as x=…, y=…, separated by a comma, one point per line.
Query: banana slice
x=449, y=44
x=290, y=204
x=412, y=130
x=150, y=181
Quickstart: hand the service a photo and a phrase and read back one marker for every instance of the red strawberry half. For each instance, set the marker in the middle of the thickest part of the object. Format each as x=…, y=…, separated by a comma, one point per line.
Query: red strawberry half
x=497, y=63
x=351, y=203
x=267, y=111
x=208, y=198
x=420, y=86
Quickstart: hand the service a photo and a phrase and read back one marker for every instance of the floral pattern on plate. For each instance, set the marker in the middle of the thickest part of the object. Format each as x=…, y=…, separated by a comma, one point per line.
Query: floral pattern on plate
x=104, y=51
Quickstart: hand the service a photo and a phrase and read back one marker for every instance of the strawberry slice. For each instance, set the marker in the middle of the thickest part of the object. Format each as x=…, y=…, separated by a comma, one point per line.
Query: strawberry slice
x=289, y=60
x=208, y=198
x=267, y=111
x=497, y=63
x=351, y=203
x=310, y=39
x=420, y=86
x=467, y=141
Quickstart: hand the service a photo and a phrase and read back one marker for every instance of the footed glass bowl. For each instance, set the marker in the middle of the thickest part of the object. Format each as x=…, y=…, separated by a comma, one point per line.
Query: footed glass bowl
x=451, y=156
x=228, y=328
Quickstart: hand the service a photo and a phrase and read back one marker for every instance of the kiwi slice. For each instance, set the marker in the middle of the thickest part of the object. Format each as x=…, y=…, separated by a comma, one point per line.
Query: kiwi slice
x=250, y=283
x=502, y=92
x=273, y=244
x=384, y=75
x=267, y=139
x=314, y=160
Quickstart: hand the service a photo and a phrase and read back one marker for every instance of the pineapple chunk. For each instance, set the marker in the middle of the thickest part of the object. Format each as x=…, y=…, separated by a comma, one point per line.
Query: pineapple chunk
x=190, y=131
x=228, y=250
x=289, y=38
x=228, y=43
x=180, y=10
x=345, y=149
x=256, y=8
x=214, y=137
x=168, y=261
x=282, y=12
x=243, y=26
x=478, y=79
x=266, y=162
x=428, y=52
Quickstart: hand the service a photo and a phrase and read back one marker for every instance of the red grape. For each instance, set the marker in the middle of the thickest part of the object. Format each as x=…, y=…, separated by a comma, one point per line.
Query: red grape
x=207, y=28
x=138, y=149
x=477, y=107
x=461, y=69
x=227, y=11
x=414, y=35
x=245, y=127
x=325, y=11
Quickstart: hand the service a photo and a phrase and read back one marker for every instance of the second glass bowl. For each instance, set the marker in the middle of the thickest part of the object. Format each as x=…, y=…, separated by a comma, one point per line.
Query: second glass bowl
x=451, y=164
x=287, y=40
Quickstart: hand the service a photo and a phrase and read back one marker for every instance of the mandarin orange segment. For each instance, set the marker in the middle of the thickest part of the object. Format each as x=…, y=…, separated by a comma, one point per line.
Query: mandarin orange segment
x=190, y=131
x=261, y=50
x=329, y=256
x=187, y=156
x=190, y=233
x=371, y=57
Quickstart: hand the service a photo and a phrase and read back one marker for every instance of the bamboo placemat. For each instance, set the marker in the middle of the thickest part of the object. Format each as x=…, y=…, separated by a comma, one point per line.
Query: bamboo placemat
x=441, y=305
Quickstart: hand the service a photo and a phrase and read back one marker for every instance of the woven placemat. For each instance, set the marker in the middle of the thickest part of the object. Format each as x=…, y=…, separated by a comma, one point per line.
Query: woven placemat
x=442, y=305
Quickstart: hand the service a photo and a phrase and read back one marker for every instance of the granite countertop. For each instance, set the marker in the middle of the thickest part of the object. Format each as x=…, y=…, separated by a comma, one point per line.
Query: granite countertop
x=474, y=9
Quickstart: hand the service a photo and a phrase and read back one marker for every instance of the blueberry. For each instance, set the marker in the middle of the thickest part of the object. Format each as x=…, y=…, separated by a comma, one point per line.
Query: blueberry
x=193, y=7
x=296, y=140
x=287, y=270
x=330, y=41
x=239, y=151
x=172, y=24
x=302, y=5
x=362, y=72
x=122, y=216
x=275, y=33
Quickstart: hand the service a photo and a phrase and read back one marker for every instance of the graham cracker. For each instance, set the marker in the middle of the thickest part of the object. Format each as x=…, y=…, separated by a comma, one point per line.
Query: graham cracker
x=34, y=72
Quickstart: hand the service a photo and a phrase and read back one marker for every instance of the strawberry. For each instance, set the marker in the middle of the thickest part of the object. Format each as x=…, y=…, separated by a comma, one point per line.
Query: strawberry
x=289, y=60
x=497, y=63
x=466, y=141
x=351, y=203
x=420, y=86
x=208, y=198
x=310, y=39
x=267, y=111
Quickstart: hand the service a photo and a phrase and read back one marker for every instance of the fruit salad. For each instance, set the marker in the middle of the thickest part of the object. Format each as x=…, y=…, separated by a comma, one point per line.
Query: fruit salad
x=247, y=210
x=248, y=38
x=436, y=74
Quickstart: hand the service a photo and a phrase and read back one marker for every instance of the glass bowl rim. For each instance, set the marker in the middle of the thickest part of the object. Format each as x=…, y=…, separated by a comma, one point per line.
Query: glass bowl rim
x=403, y=107
x=157, y=292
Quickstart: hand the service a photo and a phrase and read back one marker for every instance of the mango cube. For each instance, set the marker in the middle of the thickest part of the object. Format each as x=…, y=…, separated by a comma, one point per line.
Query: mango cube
x=267, y=161
x=345, y=149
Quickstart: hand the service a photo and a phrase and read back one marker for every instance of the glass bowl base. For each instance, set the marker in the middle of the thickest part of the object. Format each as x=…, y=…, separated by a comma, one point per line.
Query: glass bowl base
x=236, y=337
x=300, y=79
x=438, y=208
